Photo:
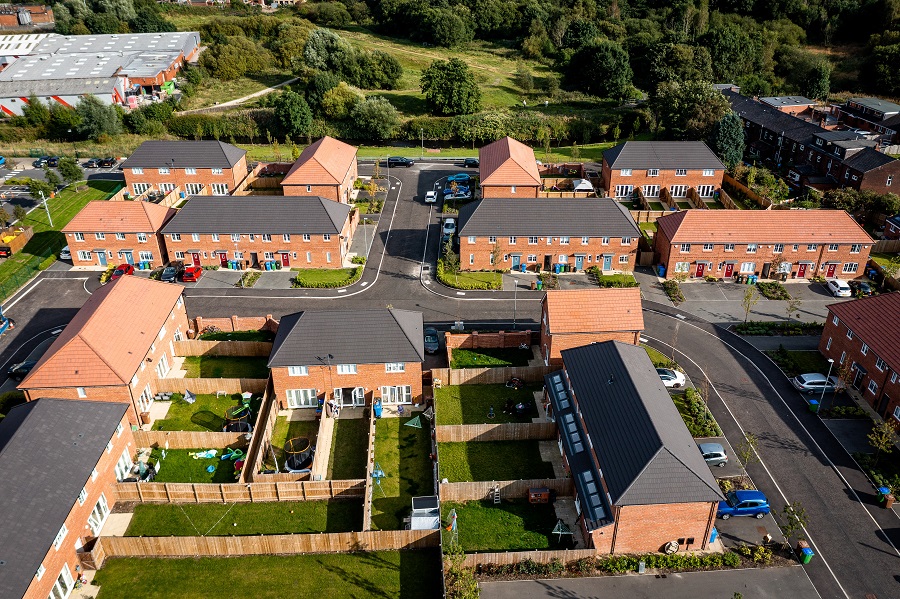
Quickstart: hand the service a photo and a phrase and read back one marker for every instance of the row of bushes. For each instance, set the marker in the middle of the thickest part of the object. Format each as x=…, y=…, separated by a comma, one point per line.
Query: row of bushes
x=673, y=290
x=782, y=357
x=299, y=282
x=773, y=290
x=854, y=412
x=449, y=279
x=613, y=281
x=881, y=478
x=698, y=418
x=761, y=328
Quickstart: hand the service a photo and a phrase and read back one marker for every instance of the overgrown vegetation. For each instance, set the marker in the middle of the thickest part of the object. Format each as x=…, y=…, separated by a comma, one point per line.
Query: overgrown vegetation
x=696, y=414
x=773, y=290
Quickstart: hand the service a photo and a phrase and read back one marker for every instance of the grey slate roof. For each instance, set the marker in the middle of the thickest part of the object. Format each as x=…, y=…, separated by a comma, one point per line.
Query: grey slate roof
x=664, y=155
x=195, y=154
x=774, y=120
x=644, y=448
x=275, y=215
x=588, y=217
x=48, y=449
x=867, y=159
x=357, y=337
x=888, y=108
x=787, y=101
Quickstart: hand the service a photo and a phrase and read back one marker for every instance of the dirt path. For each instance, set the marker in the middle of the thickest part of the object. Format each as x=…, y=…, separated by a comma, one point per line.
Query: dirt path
x=239, y=101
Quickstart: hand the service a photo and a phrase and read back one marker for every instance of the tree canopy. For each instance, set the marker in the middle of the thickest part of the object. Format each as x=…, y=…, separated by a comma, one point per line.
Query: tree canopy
x=450, y=88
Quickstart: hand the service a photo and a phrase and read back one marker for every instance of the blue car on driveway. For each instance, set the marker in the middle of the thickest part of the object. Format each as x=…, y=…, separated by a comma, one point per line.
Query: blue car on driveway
x=743, y=503
x=459, y=178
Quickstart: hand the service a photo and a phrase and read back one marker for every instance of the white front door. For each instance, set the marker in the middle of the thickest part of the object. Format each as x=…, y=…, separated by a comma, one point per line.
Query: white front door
x=301, y=398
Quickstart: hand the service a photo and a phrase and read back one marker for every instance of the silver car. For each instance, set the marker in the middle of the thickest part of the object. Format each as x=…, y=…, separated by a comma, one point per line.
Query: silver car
x=713, y=453
x=813, y=382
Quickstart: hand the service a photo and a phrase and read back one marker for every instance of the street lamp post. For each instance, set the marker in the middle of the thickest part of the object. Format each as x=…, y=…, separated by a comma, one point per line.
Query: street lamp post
x=827, y=376
x=47, y=208
x=422, y=138
x=515, y=300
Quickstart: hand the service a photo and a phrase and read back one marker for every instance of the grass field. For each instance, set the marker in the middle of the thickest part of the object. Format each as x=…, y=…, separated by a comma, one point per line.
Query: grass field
x=469, y=404
x=492, y=460
x=348, y=449
x=490, y=358
x=381, y=574
x=275, y=518
x=180, y=467
x=402, y=452
x=229, y=367
x=207, y=413
x=509, y=526
x=318, y=277
x=289, y=429
x=213, y=91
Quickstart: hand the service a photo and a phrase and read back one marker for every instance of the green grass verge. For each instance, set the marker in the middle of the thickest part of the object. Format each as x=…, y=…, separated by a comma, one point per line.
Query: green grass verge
x=326, y=277
x=492, y=460
x=238, y=336
x=465, y=279
x=509, y=526
x=348, y=449
x=490, y=358
x=402, y=452
x=205, y=414
x=659, y=359
x=696, y=415
x=469, y=404
x=180, y=467
x=616, y=280
x=794, y=362
x=395, y=574
x=226, y=367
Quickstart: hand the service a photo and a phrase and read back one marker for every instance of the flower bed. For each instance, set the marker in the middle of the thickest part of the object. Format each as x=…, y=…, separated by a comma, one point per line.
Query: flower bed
x=773, y=290
x=469, y=280
x=673, y=290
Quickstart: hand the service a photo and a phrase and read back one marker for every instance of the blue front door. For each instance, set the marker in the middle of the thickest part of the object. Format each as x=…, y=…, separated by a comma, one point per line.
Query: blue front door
x=579, y=262
x=129, y=257
x=607, y=262
x=101, y=258
x=516, y=260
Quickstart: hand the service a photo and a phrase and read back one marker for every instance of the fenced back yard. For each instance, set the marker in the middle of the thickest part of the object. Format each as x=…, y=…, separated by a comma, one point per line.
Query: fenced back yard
x=403, y=453
x=492, y=460
x=207, y=413
x=470, y=404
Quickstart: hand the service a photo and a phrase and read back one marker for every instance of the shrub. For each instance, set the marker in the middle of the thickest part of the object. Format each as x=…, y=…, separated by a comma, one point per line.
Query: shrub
x=773, y=290
x=296, y=282
x=9, y=400
x=358, y=260
x=847, y=412
x=447, y=279
x=702, y=423
x=762, y=555
x=47, y=262
x=673, y=290
x=106, y=274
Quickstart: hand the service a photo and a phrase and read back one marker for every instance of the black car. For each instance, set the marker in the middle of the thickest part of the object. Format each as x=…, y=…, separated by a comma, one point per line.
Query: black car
x=19, y=371
x=860, y=287
x=395, y=161
x=171, y=272
x=432, y=341
x=471, y=163
x=108, y=163
x=53, y=162
x=41, y=162
x=92, y=163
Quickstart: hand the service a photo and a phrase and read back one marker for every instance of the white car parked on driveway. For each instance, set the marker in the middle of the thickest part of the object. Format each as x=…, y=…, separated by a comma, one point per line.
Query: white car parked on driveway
x=839, y=288
x=430, y=197
x=671, y=378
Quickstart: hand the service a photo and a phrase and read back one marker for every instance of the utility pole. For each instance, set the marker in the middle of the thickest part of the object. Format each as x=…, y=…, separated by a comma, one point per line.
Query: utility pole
x=47, y=208
x=515, y=299
x=422, y=138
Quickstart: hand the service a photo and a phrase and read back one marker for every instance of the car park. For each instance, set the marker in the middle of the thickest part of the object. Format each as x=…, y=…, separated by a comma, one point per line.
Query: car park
x=471, y=163
x=839, y=288
x=813, y=382
x=671, y=378
x=459, y=178
x=449, y=226
x=65, y=254
x=192, y=274
x=430, y=197
x=713, y=453
x=860, y=287
x=432, y=341
x=41, y=162
x=395, y=161
x=92, y=163
x=108, y=162
x=122, y=270
x=743, y=503
x=171, y=272
x=19, y=371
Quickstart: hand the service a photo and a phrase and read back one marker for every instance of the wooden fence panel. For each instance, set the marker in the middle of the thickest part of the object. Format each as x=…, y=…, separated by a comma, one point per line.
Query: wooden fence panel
x=887, y=246
x=194, y=347
x=189, y=439
x=239, y=493
x=211, y=386
x=734, y=183
x=472, y=560
x=262, y=435
x=515, y=431
x=647, y=216
x=476, y=340
x=491, y=376
x=475, y=491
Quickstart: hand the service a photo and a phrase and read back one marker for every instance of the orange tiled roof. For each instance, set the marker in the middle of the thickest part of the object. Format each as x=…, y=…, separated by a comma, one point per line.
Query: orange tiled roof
x=761, y=226
x=120, y=217
x=508, y=162
x=324, y=162
x=108, y=338
x=876, y=321
x=594, y=310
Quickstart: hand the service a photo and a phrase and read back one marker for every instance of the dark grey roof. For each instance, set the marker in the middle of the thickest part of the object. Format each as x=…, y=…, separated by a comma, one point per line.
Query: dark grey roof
x=589, y=217
x=774, y=120
x=48, y=449
x=883, y=106
x=838, y=135
x=357, y=337
x=195, y=154
x=644, y=448
x=867, y=159
x=668, y=155
x=58, y=87
x=274, y=215
x=855, y=143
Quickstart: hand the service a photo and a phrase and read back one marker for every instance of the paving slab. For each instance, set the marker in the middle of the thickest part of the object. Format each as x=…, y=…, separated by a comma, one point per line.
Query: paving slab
x=278, y=279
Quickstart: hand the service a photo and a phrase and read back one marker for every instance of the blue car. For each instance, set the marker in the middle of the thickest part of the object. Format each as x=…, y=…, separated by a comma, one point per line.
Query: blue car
x=2, y=161
x=744, y=503
x=459, y=189
x=460, y=178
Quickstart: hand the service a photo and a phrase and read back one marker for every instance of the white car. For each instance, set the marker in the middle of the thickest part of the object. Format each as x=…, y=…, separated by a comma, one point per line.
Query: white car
x=671, y=378
x=449, y=226
x=839, y=288
x=430, y=197
x=65, y=254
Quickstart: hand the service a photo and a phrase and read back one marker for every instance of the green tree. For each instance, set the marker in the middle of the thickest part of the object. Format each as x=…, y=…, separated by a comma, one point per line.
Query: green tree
x=70, y=170
x=236, y=57
x=750, y=299
x=450, y=88
x=339, y=101
x=688, y=110
x=727, y=139
x=52, y=178
x=601, y=69
x=746, y=452
x=63, y=122
x=460, y=581
x=817, y=82
x=293, y=113
x=318, y=85
x=524, y=78
x=97, y=118
x=451, y=258
x=36, y=112
x=890, y=270
x=148, y=20
x=19, y=213
x=580, y=32
x=881, y=439
x=375, y=118
x=794, y=520
x=39, y=189
x=845, y=198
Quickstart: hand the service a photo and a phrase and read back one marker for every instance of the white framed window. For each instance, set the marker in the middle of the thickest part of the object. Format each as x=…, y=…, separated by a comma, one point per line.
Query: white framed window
x=624, y=191
x=585, y=240
x=652, y=172
x=194, y=188
x=779, y=247
x=832, y=247
x=119, y=429
x=893, y=377
x=306, y=237
x=326, y=237
x=123, y=466
x=795, y=247
x=346, y=368
x=682, y=267
x=166, y=187
x=81, y=392
x=706, y=191
x=897, y=412
x=145, y=256
x=137, y=171
x=850, y=267
x=563, y=241
x=219, y=189
x=729, y=247
x=604, y=241
x=395, y=367
x=873, y=387
x=708, y=172
x=60, y=536
x=681, y=172
x=79, y=236
x=532, y=258
x=626, y=241
x=471, y=258
x=120, y=236
x=141, y=188
x=266, y=237
x=134, y=379
x=235, y=237
x=238, y=255
x=864, y=349
x=190, y=171
x=678, y=191
x=811, y=247
x=828, y=345
x=625, y=172
x=707, y=247
x=175, y=236
x=623, y=259
x=751, y=248
x=216, y=171
x=309, y=256
x=40, y=572
x=328, y=257
x=532, y=240
x=195, y=236
x=651, y=191
x=84, y=255
x=64, y=584
x=843, y=357
x=82, y=496
x=491, y=257
x=835, y=320
x=880, y=364
x=855, y=248
x=512, y=240
x=309, y=189
x=164, y=170
x=471, y=239
x=298, y=370
x=685, y=248
x=286, y=237
x=99, y=236
x=214, y=236
x=890, y=180
x=748, y=267
x=179, y=255
x=395, y=395
x=251, y=237
x=94, y=474
x=492, y=239
x=301, y=398
x=141, y=237
x=849, y=334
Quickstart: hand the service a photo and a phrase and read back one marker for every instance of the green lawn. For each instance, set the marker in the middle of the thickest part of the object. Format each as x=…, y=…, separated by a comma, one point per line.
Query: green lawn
x=216, y=519
x=492, y=460
x=881, y=258
x=469, y=404
x=205, y=414
x=659, y=359
x=348, y=449
x=656, y=206
x=381, y=574
x=215, y=91
x=238, y=336
x=647, y=226
x=490, y=358
x=226, y=367
x=794, y=362
x=465, y=279
x=325, y=277
x=617, y=280
x=47, y=241
x=289, y=429
x=179, y=467
x=402, y=452
x=510, y=526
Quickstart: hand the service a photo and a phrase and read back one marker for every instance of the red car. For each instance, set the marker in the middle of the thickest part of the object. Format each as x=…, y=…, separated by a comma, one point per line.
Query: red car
x=122, y=270
x=192, y=274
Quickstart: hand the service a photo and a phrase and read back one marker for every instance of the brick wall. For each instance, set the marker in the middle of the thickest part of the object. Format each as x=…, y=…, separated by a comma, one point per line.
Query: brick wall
x=77, y=520
x=647, y=528
x=877, y=179
x=338, y=193
x=506, y=191
x=236, y=323
x=666, y=178
x=115, y=248
x=477, y=256
x=369, y=376
x=231, y=177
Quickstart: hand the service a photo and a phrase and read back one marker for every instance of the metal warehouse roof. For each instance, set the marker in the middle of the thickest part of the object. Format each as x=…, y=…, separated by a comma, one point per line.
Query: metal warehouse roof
x=668, y=155
x=56, y=87
x=275, y=215
x=888, y=108
x=180, y=41
x=46, y=67
x=566, y=217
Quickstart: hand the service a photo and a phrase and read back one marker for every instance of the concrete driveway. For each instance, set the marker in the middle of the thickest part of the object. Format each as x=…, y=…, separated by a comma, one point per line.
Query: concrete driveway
x=747, y=530
x=732, y=467
x=218, y=279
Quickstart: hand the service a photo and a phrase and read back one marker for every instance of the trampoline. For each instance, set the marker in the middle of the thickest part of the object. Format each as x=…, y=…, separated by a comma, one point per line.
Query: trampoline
x=237, y=419
x=298, y=455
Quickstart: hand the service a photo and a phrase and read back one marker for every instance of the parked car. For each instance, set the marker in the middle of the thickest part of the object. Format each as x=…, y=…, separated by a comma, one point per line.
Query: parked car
x=713, y=453
x=744, y=503
x=459, y=178
x=122, y=270
x=171, y=272
x=458, y=197
x=19, y=371
x=432, y=341
x=671, y=378
x=449, y=226
x=53, y=162
x=460, y=189
x=108, y=162
x=471, y=163
x=395, y=161
x=192, y=274
x=92, y=163
x=430, y=197
x=41, y=162
x=65, y=254
x=839, y=288
x=813, y=382
x=860, y=287
x=2, y=160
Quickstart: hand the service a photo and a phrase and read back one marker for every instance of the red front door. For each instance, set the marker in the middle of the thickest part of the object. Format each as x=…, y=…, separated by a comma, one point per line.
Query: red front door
x=196, y=258
x=831, y=269
x=729, y=270
x=285, y=259
x=223, y=259
x=801, y=270
x=701, y=268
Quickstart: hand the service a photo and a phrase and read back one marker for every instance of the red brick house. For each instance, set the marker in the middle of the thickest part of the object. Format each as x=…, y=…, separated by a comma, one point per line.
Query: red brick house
x=115, y=347
x=58, y=467
x=892, y=227
x=304, y=232
x=356, y=357
x=655, y=166
x=866, y=332
x=196, y=167
x=326, y=168
x=808, y=243
x=499, y=234
x=106, y=233
x=640, y=481
x=582, y=316
x=507, y=169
